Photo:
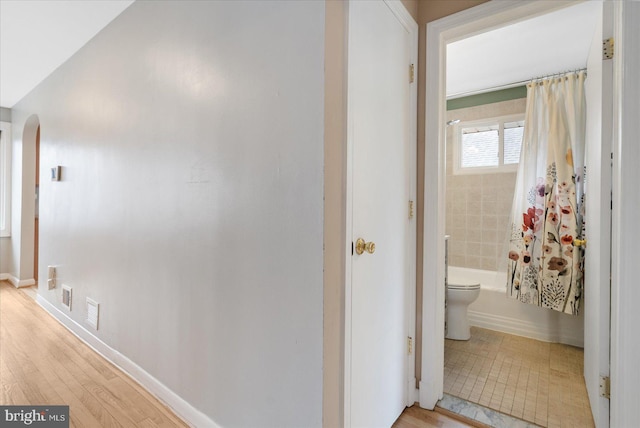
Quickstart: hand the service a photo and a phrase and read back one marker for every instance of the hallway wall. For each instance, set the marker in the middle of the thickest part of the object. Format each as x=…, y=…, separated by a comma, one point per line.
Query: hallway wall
x=190, y=137
x=6, y=259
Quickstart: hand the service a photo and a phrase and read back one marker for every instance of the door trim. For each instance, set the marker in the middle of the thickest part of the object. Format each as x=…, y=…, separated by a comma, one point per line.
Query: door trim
x=410, y=25
x=625, y=346
x=467, y=23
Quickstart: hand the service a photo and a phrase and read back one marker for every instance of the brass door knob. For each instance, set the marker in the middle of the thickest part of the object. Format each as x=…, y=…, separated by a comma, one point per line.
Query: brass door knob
x=362, y=246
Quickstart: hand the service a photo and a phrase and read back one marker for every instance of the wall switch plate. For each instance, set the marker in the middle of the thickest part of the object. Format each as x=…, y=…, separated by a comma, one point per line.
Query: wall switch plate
x=56, y=172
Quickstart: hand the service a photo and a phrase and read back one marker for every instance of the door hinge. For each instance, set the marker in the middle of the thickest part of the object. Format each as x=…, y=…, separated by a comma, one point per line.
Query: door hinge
x=411, y=73
x=607, y=48
x=410, y=209
x=605, y=387
x=409, y=345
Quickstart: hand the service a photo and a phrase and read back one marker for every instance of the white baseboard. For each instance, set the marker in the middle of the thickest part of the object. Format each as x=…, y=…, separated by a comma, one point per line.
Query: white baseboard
x=17, y=282
x=524, y=328
x=183, y=409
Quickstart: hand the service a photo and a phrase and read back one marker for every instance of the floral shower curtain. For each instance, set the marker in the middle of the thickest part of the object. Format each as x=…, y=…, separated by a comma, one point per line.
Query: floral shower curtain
x=544, y=267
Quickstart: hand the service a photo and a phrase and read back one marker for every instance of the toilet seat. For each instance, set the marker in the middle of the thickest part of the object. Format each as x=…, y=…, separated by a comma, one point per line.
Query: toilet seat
x=470, y=286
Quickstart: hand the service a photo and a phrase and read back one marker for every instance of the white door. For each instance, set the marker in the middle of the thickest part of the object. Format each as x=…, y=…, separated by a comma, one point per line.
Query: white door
x=597, y=287
x=381, y=126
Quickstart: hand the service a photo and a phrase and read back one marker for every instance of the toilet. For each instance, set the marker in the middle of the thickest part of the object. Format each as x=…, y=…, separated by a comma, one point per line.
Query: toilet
x=460, y=295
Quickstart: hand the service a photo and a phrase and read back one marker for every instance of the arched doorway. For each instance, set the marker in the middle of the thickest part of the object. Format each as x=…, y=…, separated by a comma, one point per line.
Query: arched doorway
x=29, y=228
x=36, y=227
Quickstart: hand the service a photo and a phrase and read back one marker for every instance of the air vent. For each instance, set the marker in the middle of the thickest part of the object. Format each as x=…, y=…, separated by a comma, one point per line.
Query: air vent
x=66, y=296
x=93, y=310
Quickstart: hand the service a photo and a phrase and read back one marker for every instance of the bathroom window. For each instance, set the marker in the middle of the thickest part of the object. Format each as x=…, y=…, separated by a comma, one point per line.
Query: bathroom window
x=5, y=175
x=488, y=145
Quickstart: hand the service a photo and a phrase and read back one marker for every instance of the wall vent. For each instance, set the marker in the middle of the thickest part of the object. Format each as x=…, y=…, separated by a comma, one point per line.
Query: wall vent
x=66, y=296
x=93, y=310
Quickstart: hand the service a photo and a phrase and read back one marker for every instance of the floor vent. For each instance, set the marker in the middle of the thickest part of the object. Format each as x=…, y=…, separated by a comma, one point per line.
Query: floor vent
x=66, y=296
x=93, y=309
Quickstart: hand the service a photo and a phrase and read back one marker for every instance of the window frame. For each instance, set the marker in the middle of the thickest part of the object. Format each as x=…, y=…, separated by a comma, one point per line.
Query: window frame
x=485, y=122
x=5, y=179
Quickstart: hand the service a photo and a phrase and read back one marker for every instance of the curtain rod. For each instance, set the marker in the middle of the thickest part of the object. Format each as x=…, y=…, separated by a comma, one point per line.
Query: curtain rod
x=510, y=85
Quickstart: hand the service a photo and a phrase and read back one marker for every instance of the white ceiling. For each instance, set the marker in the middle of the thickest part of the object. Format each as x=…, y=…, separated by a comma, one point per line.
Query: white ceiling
x=547, y=44
x=36, y=36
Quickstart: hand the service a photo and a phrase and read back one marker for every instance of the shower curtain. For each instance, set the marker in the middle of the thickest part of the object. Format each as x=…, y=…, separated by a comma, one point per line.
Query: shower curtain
x=544, y=267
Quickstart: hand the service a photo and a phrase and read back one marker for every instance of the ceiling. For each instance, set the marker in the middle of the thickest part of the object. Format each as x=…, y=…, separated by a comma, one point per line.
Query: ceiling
x=547, y=44
x=37, y=36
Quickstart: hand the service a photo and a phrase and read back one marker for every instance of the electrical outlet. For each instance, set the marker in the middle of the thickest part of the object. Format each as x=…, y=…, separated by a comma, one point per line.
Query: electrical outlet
x=66, y=296
x=93, y=312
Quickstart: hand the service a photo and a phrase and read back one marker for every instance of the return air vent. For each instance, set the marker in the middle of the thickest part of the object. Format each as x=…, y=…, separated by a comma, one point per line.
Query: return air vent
x=66, y=296
x=93, y=310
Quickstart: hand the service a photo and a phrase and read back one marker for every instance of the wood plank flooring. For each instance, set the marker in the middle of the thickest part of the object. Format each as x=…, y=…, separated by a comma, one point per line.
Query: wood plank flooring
x=41, y=363
x=415, y=417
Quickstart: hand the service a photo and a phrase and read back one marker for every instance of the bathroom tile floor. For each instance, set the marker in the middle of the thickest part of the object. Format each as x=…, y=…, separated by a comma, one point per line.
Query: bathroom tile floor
x=536, y=381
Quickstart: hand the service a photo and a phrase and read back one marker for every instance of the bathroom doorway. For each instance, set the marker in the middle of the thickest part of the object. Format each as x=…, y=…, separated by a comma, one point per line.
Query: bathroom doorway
x=477, y=251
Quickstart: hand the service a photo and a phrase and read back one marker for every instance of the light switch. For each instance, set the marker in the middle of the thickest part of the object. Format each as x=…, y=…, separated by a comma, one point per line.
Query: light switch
x=51, y=277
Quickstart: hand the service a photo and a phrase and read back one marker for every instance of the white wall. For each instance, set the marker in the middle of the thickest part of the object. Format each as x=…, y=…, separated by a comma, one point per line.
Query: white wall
x=190, y=137
x=6, y=258
x=5, y=114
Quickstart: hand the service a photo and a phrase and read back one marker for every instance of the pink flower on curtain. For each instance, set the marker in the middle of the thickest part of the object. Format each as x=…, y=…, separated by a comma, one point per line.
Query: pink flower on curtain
x=531, y=219
x=528, y=219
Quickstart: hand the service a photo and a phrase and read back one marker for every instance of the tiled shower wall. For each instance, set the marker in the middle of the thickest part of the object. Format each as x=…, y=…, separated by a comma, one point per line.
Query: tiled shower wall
x=478, y=205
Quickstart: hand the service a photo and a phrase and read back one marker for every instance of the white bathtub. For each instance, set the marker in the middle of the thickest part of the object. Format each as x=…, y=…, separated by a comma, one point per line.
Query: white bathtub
x=495, y=311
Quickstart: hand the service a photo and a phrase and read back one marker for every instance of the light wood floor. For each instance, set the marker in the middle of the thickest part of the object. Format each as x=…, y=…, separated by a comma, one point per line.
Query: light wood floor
x=415, y=417
x=42, y=363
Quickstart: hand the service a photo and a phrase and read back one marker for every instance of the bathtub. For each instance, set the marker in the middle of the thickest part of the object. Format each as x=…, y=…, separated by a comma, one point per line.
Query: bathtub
x=495, y=311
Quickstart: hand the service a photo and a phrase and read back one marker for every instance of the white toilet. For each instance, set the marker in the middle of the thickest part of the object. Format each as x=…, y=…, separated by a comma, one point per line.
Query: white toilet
x=459, y=296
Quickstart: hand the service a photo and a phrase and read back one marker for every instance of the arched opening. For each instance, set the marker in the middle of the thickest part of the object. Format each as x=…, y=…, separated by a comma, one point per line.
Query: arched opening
x=36, y=227
x=28, y=265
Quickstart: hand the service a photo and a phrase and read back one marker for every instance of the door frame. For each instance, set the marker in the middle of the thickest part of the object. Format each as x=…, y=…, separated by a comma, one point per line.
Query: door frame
x=411, y=27
x=597, y=301
x=455, y=27
x=625, y=294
